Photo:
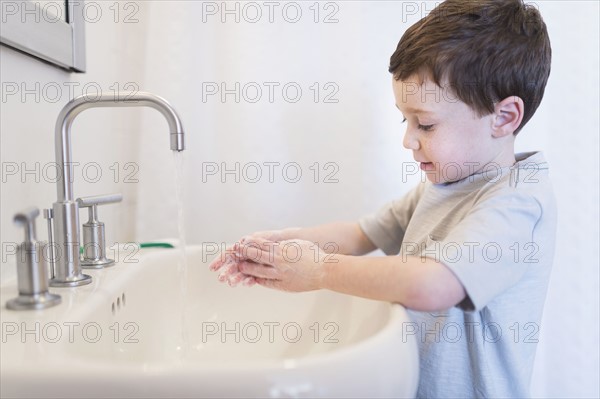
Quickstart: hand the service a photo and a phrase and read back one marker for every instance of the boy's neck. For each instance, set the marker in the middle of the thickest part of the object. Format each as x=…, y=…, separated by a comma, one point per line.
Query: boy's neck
x=506, y=157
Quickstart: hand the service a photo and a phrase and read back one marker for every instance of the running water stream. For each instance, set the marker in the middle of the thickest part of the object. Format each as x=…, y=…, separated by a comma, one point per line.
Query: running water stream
x=182, y=265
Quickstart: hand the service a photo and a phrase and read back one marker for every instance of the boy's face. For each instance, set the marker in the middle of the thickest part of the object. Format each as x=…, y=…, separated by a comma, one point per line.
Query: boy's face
x=447, y=138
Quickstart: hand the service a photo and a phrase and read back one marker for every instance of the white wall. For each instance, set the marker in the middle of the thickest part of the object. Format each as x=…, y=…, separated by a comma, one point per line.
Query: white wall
x=172, y=52
x=33, y=92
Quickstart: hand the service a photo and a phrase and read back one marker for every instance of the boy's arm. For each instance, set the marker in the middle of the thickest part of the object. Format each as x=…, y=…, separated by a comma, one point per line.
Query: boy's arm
x=421, y=284
x=417, y=283
x=339, y=237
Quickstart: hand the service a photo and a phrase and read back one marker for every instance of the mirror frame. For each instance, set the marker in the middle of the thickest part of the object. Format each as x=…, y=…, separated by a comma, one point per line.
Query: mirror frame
x=59, y=42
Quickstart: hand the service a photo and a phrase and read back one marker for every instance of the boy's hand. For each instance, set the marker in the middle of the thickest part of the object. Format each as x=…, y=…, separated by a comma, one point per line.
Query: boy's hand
x=228, y=265
x=234, y=262
x=291, y=265
x=273, y=235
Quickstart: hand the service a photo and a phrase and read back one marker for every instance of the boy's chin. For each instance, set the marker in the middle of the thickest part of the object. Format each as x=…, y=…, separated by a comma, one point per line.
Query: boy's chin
x=436, y=178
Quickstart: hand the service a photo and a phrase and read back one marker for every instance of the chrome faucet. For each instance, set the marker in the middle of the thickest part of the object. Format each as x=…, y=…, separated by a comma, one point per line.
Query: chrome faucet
x=32, y=271
x=67, y=266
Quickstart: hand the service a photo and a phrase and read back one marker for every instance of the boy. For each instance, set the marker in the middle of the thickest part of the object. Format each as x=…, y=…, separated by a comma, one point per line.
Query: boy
x=473, y=244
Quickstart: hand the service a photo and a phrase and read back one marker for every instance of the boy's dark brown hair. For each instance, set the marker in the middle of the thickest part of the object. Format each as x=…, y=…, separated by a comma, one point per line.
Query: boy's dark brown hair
x=484, y=50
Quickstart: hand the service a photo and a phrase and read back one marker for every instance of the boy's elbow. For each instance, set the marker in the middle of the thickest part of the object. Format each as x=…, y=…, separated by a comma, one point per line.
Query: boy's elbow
x=433, y=287
x=363, y=244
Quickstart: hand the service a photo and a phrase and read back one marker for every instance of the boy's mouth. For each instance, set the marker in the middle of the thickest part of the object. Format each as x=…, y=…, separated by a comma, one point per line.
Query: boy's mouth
x=427, y=166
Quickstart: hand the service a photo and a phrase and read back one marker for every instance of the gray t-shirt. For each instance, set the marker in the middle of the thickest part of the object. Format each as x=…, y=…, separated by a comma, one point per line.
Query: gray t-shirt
x=495, y=230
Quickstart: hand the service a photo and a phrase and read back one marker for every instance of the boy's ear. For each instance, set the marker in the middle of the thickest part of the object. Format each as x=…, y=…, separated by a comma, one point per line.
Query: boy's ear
x=508, y=115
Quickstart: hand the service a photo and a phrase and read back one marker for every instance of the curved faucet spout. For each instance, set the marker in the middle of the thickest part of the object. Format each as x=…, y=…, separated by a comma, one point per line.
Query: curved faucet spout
x=119, y=99
x=65, y=210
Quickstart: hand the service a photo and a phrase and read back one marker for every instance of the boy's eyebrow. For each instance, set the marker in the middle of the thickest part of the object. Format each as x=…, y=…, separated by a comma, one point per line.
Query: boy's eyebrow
x=414, y=110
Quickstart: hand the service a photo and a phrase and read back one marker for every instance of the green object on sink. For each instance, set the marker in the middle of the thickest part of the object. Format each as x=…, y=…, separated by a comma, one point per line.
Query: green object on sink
x=156, y=245
x=145, y=245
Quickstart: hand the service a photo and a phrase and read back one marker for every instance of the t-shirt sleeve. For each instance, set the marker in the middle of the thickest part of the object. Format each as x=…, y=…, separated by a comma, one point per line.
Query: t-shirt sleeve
x=386, y=227
x=492, y=247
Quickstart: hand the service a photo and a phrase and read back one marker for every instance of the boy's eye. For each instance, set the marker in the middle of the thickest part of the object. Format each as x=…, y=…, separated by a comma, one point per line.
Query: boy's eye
x=403, y=120
x=426, y=128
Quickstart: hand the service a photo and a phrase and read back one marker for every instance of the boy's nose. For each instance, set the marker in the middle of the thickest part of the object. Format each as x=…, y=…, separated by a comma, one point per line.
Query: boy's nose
x=410, y=142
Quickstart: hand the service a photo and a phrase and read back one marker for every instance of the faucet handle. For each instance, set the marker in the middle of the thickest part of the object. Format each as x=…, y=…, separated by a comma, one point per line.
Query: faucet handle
x=32, y=269
x=94, y=242
x=94, y=200
x=26, y=218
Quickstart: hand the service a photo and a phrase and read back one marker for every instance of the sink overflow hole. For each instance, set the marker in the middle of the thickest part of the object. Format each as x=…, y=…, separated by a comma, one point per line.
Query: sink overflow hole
x=116, y=305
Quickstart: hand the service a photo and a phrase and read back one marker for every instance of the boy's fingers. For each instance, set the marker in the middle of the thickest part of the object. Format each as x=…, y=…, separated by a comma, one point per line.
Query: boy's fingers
x=227, y=270
x=216, y=264
x=258, y=270
x=219, y=264
x=257, y=255
x=229, y=255
x=235, y=278
x=254, y=241
x=248, y=281
x=265, y=282
x=257, y=250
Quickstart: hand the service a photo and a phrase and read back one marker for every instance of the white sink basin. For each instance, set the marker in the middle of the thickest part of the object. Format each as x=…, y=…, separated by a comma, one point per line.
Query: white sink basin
x=121, y=336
